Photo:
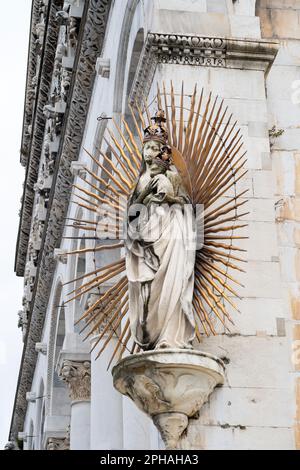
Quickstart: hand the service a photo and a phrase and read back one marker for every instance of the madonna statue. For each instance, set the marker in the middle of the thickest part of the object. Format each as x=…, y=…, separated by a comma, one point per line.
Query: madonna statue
x=160, y=249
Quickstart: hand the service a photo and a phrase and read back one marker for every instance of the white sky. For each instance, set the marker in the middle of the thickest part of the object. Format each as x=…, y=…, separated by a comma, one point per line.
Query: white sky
x=14, y=36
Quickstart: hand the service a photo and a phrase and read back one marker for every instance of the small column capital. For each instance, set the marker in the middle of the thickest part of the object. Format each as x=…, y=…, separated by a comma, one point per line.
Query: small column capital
x=55, y=443
x=77, y=375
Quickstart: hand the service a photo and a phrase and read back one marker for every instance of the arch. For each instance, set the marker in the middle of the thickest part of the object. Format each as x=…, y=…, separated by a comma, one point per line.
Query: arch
x=80, y=263
x=30, y=436
x=40, y=416
x=60, y=401
x=100, y=129
x=134, y=60
x=75, y=263
x=42, y=424
x=122, y=55
x=51, y=343
x=80, y=270
x=74, y=244
x=57, y=398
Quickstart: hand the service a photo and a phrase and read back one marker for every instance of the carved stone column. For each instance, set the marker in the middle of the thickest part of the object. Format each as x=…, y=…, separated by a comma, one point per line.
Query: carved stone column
x=77, y=375
x=58, y=444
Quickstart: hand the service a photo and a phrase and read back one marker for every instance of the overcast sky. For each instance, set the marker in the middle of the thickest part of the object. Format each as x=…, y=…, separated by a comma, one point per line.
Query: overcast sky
x=14, y=35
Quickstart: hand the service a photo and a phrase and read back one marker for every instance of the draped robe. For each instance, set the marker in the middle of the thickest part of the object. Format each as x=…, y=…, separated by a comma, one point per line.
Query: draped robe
x=160, y=259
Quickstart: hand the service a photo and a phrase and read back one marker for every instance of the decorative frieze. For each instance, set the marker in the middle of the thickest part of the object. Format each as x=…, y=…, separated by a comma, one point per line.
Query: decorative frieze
x=91, y=47
x=198, y=51
x=53, y=111
x=54, y=76
x=175, y=49
x=77, y=375
x=187, y=50
x=34, y=120
x=39, y=14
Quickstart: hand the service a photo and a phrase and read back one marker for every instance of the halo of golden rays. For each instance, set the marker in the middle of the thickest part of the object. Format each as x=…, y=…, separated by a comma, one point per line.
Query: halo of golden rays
x=208, y=154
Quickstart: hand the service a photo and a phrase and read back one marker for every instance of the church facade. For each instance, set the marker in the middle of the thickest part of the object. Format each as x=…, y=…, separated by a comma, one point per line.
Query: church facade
x=87, y=60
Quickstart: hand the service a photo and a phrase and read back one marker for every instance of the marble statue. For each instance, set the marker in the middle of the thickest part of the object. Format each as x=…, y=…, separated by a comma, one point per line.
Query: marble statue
x=173, y=283
x=160, y=254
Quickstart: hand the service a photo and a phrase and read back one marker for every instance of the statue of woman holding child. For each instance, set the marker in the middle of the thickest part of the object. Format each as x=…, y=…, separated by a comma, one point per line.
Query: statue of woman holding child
x=160, y=249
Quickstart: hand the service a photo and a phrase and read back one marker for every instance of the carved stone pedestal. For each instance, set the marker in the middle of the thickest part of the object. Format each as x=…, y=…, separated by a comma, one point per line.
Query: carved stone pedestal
x=170, y=386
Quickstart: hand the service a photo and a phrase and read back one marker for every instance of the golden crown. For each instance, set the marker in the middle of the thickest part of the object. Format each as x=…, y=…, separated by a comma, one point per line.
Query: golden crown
x=157, y=131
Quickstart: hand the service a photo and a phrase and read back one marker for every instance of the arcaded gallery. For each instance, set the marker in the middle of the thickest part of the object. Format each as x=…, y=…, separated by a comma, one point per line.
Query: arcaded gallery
x=159, y=236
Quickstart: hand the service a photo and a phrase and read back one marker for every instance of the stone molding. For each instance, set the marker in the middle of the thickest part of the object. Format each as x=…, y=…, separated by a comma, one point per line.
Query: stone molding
x=77, y=375
x=36, y=43
x=54, y=316
x=37, y=91
x=47, y=124
x=199, y=51
x=95, y=22
x=188, y=50
x=253, y=54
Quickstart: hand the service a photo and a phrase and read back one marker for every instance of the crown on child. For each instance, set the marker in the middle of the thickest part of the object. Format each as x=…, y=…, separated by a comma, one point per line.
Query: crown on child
x=157, y=131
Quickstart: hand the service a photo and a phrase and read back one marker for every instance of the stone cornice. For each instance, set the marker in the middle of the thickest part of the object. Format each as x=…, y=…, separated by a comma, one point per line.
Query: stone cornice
x=199, y=51
x=257, y=54
x=35, y=119
x=91, y=41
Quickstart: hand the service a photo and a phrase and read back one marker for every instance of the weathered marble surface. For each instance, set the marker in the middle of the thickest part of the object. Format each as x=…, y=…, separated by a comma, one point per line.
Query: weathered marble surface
x=170, y=386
